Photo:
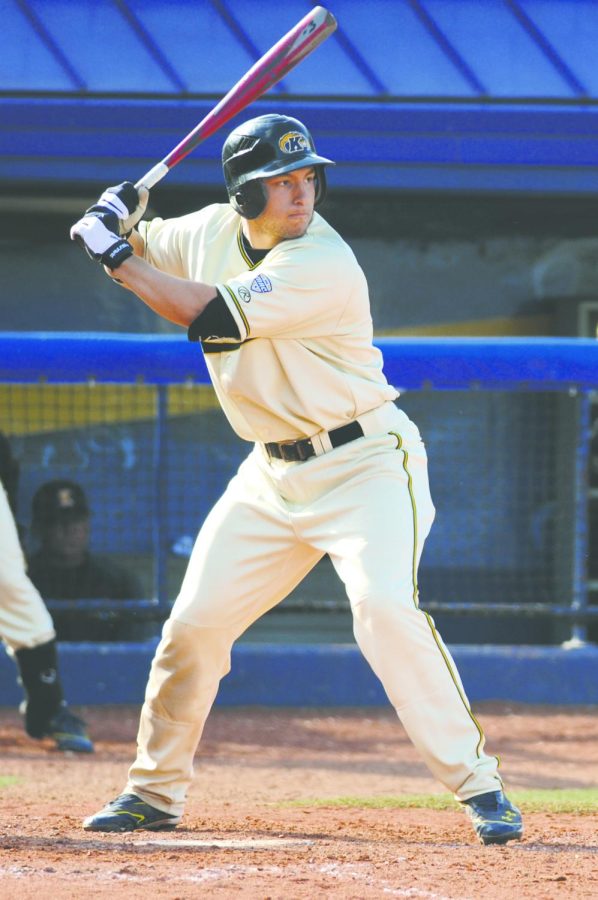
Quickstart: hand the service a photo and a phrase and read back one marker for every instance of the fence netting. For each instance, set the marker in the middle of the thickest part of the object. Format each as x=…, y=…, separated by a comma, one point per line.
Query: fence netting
x=153, y=460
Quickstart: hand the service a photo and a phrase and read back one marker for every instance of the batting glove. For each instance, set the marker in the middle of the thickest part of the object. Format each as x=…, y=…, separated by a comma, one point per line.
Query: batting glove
x=96, y=232
x=126, y=202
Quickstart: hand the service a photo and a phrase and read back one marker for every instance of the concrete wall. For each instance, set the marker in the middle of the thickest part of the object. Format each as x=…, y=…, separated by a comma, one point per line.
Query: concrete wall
x=461, y=265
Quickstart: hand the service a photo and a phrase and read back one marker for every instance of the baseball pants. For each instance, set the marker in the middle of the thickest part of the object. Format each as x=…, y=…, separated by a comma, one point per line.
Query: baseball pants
x=24, y=619
x=367, y=504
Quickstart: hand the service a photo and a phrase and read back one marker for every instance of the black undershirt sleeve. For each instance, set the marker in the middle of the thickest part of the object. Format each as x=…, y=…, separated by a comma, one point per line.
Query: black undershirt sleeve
x=216, y=321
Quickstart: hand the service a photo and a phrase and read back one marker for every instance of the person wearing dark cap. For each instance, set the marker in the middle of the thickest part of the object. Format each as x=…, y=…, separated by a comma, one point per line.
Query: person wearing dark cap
x=27, y=630
x=64, y=568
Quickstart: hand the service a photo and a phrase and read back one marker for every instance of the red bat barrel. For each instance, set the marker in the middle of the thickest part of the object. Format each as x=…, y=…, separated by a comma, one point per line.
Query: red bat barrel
x=298, y=43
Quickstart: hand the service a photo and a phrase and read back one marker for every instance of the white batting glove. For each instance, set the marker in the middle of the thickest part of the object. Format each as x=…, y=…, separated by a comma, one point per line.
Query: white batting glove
x=126, y=202
x=96, y=232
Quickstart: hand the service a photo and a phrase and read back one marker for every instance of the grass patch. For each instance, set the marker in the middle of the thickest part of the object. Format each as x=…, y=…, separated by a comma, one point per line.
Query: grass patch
x=7, y=780
x=575, y=800
x=572, y=800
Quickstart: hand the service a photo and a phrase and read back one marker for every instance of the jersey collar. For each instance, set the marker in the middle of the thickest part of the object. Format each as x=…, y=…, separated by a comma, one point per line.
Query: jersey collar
x=251, y=256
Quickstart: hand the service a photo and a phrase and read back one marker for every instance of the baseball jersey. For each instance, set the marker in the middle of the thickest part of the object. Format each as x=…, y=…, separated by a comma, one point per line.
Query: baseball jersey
x=303, y=358
x=94, y=577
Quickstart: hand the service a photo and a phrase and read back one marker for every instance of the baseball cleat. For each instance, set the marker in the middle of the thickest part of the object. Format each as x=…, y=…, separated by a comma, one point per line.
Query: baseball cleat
x=494, y=818
x=69, y=732
x=129, y=813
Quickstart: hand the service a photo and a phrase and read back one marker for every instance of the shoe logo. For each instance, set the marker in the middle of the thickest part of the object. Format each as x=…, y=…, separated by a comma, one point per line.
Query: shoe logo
x=509, y=815
x=129, y=812
x=48, y=677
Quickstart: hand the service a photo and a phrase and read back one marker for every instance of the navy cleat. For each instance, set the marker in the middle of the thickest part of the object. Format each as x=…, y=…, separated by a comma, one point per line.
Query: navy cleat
x=494, y=818
x=69, y=732
x=129, y=813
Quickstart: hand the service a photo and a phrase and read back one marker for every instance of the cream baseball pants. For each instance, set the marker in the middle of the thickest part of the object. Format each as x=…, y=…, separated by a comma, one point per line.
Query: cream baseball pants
x=24, y=619
x=367, y=504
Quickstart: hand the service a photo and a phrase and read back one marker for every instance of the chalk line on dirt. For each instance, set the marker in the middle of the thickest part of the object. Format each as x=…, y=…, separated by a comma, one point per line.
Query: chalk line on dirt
x=219, y=844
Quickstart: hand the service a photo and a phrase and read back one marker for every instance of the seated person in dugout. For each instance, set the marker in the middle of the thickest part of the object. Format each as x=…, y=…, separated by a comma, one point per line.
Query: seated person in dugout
x=63, y=568
x=27, y=630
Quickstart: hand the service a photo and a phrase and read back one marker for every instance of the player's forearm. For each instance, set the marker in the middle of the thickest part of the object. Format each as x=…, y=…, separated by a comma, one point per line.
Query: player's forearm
x=176, y=299
x=137, y=242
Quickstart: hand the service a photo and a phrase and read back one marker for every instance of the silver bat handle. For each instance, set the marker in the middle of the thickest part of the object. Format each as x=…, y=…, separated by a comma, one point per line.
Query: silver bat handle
x=153, y=176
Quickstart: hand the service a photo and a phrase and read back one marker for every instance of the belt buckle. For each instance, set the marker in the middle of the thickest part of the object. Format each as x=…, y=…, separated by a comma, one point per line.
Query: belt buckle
x=286, y=451
x=305, y=449
x=291, y=451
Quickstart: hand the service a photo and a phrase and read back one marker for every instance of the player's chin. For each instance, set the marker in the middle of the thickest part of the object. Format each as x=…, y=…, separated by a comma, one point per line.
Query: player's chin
x=297, y=225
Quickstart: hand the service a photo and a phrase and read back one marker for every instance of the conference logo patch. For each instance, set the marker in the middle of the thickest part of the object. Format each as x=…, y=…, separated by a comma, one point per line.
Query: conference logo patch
x=261, y=285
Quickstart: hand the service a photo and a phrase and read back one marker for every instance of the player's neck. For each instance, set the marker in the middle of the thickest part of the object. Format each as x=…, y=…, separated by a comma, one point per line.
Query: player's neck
x=257, y=238
x=256, y=256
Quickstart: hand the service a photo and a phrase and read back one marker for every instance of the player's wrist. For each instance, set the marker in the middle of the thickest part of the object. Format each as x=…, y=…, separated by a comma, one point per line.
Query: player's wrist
x=116, y=255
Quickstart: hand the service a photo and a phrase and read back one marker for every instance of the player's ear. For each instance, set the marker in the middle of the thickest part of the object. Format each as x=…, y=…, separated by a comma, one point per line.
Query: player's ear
x=321, y=185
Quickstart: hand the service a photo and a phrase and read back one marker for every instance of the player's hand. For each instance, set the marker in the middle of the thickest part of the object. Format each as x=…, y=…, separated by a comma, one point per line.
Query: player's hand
x=126, y=202
x=97, y=233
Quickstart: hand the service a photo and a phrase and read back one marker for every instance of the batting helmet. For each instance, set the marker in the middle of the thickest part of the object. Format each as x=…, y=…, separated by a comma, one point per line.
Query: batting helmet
x=262, y=147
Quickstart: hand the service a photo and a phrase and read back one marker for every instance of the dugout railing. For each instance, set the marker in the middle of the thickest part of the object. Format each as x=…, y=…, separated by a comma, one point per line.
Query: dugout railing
x=511, y=436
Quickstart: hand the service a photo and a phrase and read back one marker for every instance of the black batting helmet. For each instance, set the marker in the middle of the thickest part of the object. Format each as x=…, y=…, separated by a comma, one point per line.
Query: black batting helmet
x=262, y=147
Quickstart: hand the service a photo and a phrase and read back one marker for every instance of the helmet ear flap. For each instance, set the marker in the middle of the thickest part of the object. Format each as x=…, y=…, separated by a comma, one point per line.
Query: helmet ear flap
x=321, y=185
x=250, y=199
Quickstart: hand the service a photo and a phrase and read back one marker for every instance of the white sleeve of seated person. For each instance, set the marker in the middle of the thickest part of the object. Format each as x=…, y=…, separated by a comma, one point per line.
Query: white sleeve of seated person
x=24, y=618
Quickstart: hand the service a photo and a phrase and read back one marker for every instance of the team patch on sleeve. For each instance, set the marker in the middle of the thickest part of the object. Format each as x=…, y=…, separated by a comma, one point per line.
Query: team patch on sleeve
x=261, y=285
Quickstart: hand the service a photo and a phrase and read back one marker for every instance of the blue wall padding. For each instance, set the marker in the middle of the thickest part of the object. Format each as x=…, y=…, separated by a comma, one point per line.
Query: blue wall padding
x=322, y=675
x=442, y=363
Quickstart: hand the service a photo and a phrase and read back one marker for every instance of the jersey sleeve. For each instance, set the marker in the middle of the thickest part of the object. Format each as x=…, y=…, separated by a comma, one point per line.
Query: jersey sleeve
x=216, y=322
x=163, y=245
x=298, y=291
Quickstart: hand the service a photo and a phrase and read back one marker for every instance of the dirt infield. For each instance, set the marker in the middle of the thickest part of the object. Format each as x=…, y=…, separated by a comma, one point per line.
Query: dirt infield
x=252, y=829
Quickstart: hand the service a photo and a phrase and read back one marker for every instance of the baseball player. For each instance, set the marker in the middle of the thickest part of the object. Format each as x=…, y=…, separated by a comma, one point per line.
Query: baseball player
x=28, y=631
x=281, y=308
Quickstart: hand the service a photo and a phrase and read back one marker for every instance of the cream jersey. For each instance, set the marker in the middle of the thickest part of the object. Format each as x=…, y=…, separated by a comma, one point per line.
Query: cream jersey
x=305, y=361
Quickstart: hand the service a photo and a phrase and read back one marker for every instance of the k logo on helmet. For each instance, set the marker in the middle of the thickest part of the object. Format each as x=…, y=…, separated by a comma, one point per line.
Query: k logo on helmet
x=293, y=142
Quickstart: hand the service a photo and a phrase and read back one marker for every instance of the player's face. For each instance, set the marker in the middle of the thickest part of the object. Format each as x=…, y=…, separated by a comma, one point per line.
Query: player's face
x=289, y=208
x=67, y=541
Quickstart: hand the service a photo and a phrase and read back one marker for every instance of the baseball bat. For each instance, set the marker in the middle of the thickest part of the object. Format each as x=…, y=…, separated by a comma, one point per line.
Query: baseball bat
x=298, y=43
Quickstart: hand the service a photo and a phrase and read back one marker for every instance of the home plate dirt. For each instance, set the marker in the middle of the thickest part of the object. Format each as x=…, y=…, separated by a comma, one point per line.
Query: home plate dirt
x=263, y=820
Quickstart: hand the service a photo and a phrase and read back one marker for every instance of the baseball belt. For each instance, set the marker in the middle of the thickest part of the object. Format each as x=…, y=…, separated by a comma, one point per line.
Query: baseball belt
x=299, y=451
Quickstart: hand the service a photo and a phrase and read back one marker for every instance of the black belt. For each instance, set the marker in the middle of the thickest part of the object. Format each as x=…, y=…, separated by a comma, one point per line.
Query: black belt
x=299, y=451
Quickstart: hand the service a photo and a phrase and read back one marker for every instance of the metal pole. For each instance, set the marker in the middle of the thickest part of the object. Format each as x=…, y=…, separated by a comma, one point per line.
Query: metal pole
x=579, y=585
